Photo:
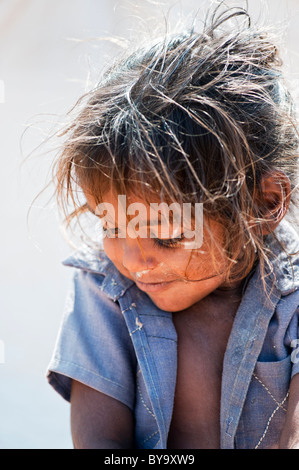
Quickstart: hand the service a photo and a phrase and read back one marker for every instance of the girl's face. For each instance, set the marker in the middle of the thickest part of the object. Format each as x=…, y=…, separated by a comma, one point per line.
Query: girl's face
x=174, y=277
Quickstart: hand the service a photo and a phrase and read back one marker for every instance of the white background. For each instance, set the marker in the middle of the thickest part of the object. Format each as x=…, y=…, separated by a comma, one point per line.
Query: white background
x=49, y=55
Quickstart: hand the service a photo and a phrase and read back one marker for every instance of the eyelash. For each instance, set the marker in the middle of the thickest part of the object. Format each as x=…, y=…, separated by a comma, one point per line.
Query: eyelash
x=110, y=230
x=167, y=243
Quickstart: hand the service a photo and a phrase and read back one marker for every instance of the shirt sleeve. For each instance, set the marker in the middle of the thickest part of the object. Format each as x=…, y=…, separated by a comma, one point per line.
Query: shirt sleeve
x=93, y=345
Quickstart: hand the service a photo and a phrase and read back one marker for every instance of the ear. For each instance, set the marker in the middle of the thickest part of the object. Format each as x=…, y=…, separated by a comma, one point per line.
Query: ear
x=273, y=200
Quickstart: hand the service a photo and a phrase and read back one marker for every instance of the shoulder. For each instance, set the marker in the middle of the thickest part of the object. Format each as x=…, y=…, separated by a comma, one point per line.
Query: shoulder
x=94, y=345
x=283, y=246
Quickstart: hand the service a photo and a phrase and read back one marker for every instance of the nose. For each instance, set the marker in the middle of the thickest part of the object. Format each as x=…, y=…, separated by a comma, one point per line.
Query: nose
x=136, y=258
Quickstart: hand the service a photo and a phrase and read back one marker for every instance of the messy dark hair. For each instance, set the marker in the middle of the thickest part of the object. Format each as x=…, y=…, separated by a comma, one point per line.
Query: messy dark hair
x=194, y=117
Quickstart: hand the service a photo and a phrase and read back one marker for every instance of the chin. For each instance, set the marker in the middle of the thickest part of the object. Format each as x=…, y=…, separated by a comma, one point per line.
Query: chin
x=169, y=305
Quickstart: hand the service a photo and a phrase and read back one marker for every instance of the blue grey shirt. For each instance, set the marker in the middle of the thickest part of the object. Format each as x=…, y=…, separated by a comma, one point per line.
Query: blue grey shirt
x=114, y=339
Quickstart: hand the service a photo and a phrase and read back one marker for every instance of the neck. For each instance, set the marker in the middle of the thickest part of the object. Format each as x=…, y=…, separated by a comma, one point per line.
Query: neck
x=230, y=291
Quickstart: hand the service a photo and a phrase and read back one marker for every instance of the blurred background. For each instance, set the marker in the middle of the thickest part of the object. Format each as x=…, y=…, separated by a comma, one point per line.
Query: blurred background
x=51, y=52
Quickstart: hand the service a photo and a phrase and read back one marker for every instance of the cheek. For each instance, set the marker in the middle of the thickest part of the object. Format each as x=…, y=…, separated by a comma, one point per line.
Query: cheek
x=209, y=261
x=182, y=262
x=113, y=250
x=178, y=262
x=164, y=261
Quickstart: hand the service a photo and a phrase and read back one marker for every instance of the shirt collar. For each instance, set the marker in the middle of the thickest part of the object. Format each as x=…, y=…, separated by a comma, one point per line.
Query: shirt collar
x=96, y=261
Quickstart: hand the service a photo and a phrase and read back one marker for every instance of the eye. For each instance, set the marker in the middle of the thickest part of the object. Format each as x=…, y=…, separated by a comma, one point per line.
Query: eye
x=111, y=232
x=168, y=243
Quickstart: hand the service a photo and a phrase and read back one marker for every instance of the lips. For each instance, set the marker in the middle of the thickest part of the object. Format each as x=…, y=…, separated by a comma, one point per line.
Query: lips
x=153, y=286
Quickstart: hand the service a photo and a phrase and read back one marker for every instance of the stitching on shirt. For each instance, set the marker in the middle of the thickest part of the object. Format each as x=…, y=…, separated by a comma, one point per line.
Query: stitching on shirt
x=155, y=315
x=150, y=412
x=139, y=326
x=157, y=442
x=142, y=399
x=133, y=305
x=162, y=337
x=279, y=406
x=92, y=372
x=149, y=437
x=270, y=419
x=268, y=391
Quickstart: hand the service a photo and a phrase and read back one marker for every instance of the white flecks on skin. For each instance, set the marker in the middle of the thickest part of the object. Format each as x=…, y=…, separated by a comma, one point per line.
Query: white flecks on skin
x=141, y=273
x=163, y=267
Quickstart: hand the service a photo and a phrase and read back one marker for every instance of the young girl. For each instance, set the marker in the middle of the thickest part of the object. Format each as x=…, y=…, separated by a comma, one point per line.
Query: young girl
x=186, y=339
